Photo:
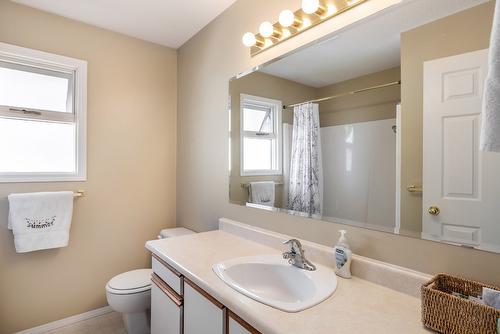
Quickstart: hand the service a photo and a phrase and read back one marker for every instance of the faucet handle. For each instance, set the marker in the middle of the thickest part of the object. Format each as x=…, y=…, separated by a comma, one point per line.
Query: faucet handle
x=292, y=241
x=295, y=245
x=296, y=255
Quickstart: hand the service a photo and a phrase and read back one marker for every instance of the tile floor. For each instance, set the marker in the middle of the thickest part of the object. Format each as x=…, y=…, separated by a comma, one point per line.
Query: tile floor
x=109, y=323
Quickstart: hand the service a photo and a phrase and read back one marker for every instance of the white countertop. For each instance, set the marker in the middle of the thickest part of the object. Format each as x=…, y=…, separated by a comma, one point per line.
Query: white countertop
x=357, y=306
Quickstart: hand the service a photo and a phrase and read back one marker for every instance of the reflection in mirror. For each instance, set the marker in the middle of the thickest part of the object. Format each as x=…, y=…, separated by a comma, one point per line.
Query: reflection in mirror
x=376, y=126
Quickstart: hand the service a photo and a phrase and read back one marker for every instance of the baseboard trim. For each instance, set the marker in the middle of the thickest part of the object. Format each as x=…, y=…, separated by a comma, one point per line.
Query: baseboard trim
x=66, y=321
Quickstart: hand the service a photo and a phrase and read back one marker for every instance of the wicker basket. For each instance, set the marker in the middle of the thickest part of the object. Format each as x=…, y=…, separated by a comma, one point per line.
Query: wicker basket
x=445, y=313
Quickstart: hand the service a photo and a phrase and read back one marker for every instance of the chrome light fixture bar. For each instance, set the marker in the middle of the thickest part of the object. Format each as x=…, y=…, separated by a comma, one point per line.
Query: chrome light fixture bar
x=290, y=24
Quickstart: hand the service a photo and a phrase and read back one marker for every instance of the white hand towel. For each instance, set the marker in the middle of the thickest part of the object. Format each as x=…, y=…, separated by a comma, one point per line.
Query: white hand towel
x=262, y=193
x=40, y=220
x=490, y=131
x=491, y=297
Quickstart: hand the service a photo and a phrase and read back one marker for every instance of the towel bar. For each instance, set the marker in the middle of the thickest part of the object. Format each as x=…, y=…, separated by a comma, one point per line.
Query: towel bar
x=247, y=184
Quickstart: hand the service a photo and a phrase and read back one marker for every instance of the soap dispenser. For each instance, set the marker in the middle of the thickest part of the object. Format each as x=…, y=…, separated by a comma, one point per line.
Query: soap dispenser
x=343, y=256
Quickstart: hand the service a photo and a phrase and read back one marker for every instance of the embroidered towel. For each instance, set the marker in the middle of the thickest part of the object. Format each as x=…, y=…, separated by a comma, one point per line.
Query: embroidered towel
x=490, y=131
x=262, y=193
x=491, y=297
x=40, y=220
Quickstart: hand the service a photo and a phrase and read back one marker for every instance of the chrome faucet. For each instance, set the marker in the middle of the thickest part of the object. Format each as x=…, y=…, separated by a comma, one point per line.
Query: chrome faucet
x=296, y=255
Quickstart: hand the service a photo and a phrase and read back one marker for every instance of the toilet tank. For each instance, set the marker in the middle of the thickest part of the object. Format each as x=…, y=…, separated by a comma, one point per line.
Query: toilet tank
x=174, y=232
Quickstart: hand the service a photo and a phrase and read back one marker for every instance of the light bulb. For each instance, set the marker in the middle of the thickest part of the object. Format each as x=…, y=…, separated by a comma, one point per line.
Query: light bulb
x=310, y=6
x=287, y=18
x=266, y=29
x=249, y=39
x=331, y=9
x=306, y=23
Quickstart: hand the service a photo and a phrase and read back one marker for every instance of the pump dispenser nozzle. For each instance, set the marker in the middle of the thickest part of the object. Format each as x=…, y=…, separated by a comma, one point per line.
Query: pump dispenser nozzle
x=343, y=239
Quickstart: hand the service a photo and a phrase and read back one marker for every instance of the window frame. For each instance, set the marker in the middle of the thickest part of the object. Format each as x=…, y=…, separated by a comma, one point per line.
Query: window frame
x=277, y=108
x=46, y=63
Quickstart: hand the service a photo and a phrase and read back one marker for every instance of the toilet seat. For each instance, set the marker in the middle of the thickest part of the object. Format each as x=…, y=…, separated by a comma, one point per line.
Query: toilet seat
x=130, y=282
x=129, y=291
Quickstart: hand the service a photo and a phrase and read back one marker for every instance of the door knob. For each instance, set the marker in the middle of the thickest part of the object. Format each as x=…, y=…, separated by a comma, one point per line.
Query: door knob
x=434, y=210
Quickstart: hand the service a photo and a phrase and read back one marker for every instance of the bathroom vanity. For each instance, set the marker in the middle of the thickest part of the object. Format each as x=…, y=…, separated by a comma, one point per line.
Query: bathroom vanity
x=188, y=297
x=181, y=306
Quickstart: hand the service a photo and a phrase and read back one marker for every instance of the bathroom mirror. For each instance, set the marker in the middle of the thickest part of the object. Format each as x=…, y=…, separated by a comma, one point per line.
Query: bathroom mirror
x=375, y=126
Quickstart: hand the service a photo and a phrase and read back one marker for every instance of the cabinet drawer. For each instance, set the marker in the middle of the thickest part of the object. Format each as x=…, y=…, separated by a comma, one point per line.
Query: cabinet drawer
x=168, y=274
x=166, y=308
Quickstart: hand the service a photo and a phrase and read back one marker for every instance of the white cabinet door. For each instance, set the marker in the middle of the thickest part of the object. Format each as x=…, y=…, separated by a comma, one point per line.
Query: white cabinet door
x=202, y=313
x=236, y=325
x=235, y=328
x=166, y=309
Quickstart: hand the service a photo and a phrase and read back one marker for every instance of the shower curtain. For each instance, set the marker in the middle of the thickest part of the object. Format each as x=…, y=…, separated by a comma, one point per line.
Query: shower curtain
x=306, y=174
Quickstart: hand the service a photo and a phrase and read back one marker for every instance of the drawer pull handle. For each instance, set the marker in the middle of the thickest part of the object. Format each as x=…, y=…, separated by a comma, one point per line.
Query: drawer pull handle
x=166, y=289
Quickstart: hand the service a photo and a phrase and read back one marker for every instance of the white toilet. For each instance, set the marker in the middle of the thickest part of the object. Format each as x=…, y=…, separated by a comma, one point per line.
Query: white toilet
x=130, y=293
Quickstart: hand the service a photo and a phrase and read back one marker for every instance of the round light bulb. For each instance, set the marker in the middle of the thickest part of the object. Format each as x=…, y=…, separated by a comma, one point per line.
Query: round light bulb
x=249, y=39
x=266, y=29
x=287, y=18
x=310, y=6
x=331, y=9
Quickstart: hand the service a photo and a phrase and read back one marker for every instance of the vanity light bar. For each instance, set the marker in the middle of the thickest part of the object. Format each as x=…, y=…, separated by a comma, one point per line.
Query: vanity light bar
x=312, y=13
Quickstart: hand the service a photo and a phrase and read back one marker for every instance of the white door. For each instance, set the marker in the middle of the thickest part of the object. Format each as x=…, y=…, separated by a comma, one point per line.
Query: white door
x=461, y=184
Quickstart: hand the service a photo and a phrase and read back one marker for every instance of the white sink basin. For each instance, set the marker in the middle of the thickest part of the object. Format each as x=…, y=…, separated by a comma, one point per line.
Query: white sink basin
x=270, y=280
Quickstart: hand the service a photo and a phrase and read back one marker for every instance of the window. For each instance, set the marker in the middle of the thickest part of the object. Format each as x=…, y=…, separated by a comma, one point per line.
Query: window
x=42, y=116
x=260, y=136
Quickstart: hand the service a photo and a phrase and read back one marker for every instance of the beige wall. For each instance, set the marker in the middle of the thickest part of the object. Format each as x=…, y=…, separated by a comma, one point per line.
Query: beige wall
x=271, y=87
x=460, y=33
x=363, y=107
x=131, y=171
x=206, y=63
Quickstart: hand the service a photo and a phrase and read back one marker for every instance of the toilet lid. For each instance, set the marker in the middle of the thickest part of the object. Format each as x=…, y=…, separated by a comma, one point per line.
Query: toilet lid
x=131, y=280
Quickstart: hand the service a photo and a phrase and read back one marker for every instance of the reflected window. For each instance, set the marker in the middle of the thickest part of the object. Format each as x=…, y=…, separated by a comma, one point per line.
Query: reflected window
x=258, y=120
x=260, y=136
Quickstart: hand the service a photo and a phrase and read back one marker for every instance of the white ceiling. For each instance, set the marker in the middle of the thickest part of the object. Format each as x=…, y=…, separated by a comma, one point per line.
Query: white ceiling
x=166, y=22
x=363, y=48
